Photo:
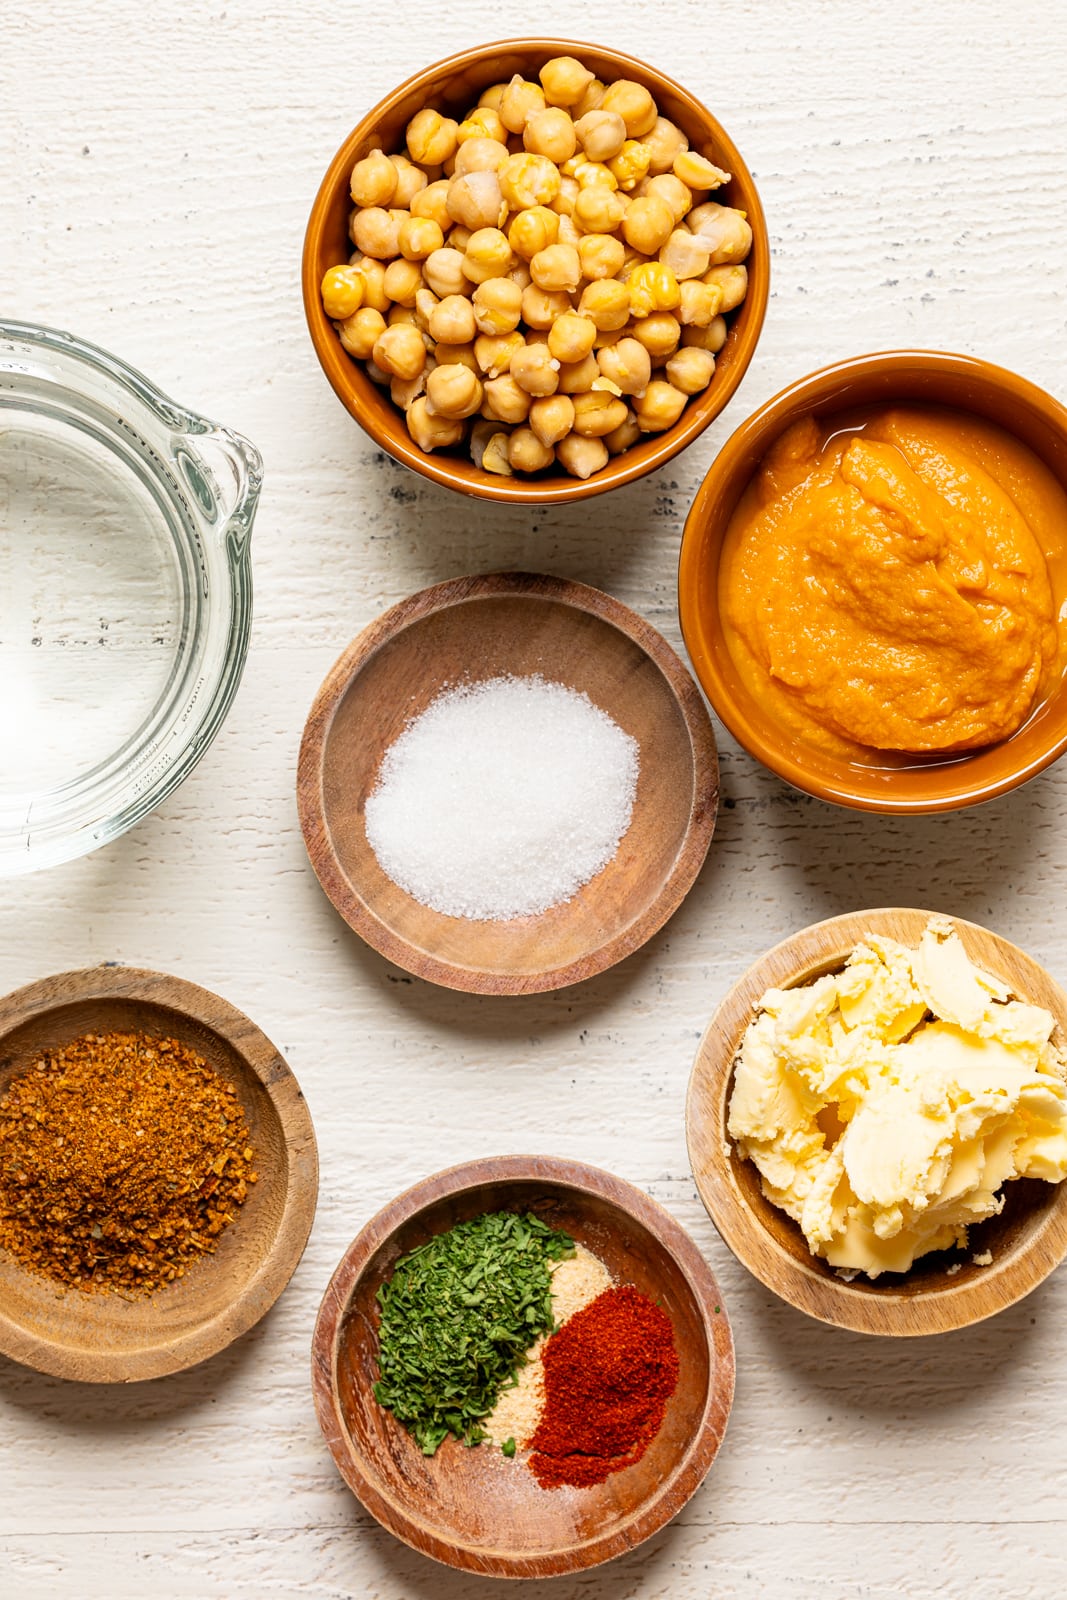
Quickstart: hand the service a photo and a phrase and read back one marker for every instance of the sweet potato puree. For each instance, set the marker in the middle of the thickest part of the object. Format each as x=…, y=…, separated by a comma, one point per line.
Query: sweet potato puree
x=885, y=583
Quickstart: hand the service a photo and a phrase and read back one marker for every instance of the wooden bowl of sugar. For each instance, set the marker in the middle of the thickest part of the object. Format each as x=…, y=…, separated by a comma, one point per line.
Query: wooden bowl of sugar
x=120, y=1337
x=539, y=657
x=472, y=1508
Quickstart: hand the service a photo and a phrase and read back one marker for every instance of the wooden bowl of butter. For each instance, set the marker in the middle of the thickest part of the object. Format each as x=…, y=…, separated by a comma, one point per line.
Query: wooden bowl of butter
x=877, y=1122
x=873, y=579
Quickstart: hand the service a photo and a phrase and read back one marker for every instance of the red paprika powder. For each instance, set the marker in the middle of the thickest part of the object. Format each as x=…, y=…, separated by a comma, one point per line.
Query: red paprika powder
x=609, y=1373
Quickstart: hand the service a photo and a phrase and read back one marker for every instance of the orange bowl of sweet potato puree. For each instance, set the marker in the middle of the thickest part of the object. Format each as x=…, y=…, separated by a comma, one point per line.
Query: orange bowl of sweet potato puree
x=873, y=582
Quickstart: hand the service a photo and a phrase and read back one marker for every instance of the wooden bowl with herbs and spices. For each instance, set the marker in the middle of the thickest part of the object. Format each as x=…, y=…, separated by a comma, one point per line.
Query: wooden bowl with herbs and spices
x=523, y=1367
x=158, y=1174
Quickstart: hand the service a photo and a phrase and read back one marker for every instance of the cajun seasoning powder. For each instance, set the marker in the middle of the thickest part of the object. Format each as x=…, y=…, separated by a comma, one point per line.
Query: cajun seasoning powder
x=122, y=1158
x=609, y=1373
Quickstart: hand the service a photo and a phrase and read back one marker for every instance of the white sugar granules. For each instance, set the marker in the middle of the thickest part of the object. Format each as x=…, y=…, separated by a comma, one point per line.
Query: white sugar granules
x=503, y=798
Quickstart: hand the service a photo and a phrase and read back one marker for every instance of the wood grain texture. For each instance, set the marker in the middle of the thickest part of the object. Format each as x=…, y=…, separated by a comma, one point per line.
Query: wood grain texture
x=160, y=172
x=453, y=86
x=466, y=631
x=113, y=1338
x=471, y=1508
x=943, y=1290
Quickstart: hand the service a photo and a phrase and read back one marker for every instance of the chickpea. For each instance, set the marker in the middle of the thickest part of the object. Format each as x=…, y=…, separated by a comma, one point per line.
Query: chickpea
x=495, y=455
x=630, y=166
x=627, y=365
x=597, y=413
x=622, y=437
x=569, y=234
x=529, y=180
x=482, y=435
x=475, y=200
x=600, y=256
x=447, y=355
x=419, y=237
x=564, y=80
x=533, y=230
x=593, y=175
x=482, y=123
x=664, y=142
x=690, y=370
x=403, y=391
x=558, y=267
x=495, y=350
x=648, y=224
x=342, y=293
x=578, y=377
x=432, y=202
x=520, y=274
x=699, y=303
x=601, y=134
x=431, y=138
x=425, y=300
x=581, y=456
x=541, y=307
x=607, y=303
x=402, y=282
x=590, y=101
x=518, y=101
x=571, y=337
x=409, y=180
x=634, y=105
x=659, y=333
x=527, y=453
x=652, y=287
x=480, y=155
x=598, y=210
x=443, y=271
x=373, y=274
x=459, y=237
x=731, y=281
x=535, y=369
x=373, y=181
x=504, y=401
x=725, y=232
x=712, y=338
x=671, y=189
x=452, y=320
x=400, y=351
x=497, y=306
x=685, y=253
x=490, y=98
x=488, y=255
x=377, y=374
x=569, y=190
x=429, y=431
x=659, y=407
x=697, y=171
x=550, y=133
x=552, y=417
x=360, y=332
x=376, y=232
x=453, y=391
x=400, y=314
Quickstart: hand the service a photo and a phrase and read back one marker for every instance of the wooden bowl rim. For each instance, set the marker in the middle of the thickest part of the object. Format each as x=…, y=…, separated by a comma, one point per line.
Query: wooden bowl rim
x=265, y=1061
x=761, y=739
x=707, y=1437
x=345, y=896
x=876, y=1307
x=355, y=392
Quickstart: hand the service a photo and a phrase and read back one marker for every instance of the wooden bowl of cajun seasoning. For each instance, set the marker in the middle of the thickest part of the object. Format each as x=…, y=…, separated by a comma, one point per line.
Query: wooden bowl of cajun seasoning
x=173, y=1140
x=557, y=1485
x=511, y=851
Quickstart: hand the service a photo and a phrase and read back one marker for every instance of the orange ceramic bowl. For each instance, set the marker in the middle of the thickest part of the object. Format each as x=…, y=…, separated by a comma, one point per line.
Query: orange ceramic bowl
x=454, y=85
x=894, y=377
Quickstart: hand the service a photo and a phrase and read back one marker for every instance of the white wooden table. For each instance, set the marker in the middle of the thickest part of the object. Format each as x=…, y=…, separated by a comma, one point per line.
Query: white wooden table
x=159, y=163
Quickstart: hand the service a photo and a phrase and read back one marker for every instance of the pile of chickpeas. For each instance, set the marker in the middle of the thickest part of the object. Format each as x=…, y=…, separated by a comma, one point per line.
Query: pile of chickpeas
x=547, y=275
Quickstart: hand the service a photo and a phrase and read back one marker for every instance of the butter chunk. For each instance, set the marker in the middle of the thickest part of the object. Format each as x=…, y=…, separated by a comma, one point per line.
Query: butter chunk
x=885, y=1106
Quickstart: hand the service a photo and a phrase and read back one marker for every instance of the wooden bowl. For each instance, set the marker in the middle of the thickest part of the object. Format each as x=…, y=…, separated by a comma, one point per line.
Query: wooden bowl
x=476, y=628
x=453, y=85
x=107, y=1338
x=926, y=784
x=1027, y=1240
x=472, y=1508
